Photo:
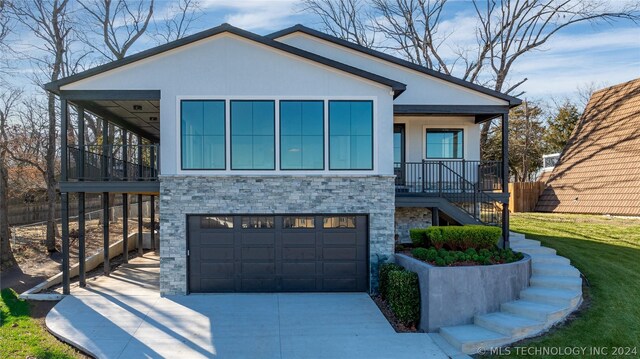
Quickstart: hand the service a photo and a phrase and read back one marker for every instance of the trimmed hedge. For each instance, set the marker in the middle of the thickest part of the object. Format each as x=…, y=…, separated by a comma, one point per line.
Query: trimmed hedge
x=456, y=237
x=443, y=257
x=400, y=288
x=404, y=296
x=383, y=277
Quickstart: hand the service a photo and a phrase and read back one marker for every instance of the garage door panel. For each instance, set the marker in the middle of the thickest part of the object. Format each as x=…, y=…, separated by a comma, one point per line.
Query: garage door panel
x=281, y=258
x=340, y=269
x=264, y=253
x=253, y=239
x=259, y=285
x=258, y=270
x=297, y=269
x=339, y=238
x=340, y=253
x=298, y=239
x=296, y=253
x=216, y=237
x=217, y=269
x=216, y=253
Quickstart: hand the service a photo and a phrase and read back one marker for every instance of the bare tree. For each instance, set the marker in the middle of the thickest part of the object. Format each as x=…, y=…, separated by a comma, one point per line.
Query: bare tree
x=120, y=23
x=177, y=21
x=49, y=21
x=345, y=19
x=505, y=31
x=8, y=100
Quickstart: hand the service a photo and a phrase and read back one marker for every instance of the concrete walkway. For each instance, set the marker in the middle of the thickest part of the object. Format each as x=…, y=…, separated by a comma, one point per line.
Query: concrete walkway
x=122, y=316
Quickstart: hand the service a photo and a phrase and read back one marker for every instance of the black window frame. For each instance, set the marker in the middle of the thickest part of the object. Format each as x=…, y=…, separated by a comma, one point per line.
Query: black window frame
x=373, y=156
x=324, y=134
x=443, y=130
x=231, y=137
x=224, y=106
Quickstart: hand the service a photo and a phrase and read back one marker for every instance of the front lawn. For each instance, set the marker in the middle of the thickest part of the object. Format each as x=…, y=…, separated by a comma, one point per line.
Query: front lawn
x=607, y=251
x=22, y=336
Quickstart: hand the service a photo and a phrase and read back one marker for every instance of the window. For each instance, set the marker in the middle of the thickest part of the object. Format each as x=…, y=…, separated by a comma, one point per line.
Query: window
x=257, y=222
x=445, y=144
x=301, y=135
x=216, y=222
x=299, y=222
x=252, y=135
x=203, y=134
x=339, y=222
x=351, y=135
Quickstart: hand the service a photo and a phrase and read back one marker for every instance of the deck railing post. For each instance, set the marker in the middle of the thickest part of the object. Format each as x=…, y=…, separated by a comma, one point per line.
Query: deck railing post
x=505, y=179
x=440, y=178
x=64, y=196
x=81, y=201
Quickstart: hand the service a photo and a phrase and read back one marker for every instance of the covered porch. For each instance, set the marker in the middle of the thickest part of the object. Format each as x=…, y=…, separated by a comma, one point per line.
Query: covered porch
x=111, y=148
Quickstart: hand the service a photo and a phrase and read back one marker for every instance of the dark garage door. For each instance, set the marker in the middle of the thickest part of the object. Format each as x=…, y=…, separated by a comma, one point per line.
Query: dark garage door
x=281, y=253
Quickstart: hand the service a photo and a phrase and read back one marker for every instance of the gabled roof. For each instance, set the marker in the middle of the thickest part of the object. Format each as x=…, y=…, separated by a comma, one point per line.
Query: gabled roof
x=513, y=101
x=599, y=169
x=396, y=86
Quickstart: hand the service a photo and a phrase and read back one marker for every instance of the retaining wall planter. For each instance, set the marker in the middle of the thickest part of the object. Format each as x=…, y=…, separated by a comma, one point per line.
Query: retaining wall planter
x=453, y=295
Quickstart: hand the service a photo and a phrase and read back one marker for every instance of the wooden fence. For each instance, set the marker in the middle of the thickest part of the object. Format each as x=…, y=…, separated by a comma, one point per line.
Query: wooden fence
x=523, y=196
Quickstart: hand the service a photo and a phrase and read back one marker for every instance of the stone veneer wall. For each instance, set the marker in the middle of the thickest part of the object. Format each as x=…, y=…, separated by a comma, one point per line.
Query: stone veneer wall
x=407, y=218
x=183, y=195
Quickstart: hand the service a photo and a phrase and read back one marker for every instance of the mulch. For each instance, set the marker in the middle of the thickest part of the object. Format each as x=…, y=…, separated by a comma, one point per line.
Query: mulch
x=395, y=323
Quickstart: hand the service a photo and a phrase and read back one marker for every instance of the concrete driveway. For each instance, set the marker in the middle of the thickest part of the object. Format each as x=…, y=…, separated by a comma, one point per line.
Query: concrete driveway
x=120, y=317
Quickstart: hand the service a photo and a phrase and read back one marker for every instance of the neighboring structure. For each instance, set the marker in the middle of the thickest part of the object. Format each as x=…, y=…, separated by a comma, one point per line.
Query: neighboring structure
x=286, y=161
x=599, y=169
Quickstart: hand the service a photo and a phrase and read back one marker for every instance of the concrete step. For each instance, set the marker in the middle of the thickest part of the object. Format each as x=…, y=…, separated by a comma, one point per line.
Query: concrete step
x=549, y=258
x=516, y=235
x=448, y=349
x=524, y=243
x=509, y=324
x=567, y=298
x=535, y=250
x=560, y=282
x=552, y=269
x=547, y=313
x=470, y=338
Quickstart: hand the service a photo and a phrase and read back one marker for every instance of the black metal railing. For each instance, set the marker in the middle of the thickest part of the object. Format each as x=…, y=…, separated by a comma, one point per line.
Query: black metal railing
x=113, y=163
x=466, y=184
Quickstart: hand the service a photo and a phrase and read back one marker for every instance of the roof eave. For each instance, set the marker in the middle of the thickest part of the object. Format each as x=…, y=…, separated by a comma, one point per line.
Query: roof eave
x=513, y=101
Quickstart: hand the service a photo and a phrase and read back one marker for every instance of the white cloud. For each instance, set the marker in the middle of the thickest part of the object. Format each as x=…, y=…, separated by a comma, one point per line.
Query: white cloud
x=254, y=14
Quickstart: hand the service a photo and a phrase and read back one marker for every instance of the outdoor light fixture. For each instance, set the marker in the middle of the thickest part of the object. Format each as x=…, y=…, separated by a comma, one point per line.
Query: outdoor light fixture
x=137, y=107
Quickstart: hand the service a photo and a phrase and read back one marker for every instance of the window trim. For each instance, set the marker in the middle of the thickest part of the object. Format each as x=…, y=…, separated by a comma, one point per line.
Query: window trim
x=275, y=144
x=373, y=136
x=224, y=107
x=280, y=136
x=442, y=129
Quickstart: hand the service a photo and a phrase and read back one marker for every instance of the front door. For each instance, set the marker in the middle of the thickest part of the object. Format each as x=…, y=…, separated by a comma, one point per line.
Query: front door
x=399, y=166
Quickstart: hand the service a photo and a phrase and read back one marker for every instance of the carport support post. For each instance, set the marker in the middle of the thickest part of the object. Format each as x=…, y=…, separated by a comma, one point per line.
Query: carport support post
x=81, y=201
x=105, y=197
x=125, y=199
x=140, y=249
x=64, y=196
x=505, y=179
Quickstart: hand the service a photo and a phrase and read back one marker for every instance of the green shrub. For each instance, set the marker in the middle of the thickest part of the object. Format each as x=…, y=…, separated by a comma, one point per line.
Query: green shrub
x=456, y=237
x=418, y=237
x=383, y=277
x=421, y=254
x=404, y=296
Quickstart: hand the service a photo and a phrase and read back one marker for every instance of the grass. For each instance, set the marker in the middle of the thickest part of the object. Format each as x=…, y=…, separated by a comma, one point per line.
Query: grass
x=607, y=251
x=22, y=336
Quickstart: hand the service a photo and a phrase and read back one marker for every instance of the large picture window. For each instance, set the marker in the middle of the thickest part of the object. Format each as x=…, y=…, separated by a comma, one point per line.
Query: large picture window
x=444, y=144
x=252, y=135
x=203, y=134
x=350, y=135
x=301, y=135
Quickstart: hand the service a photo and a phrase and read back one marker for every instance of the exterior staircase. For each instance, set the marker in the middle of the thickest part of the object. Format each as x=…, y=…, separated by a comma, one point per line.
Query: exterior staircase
x=555, y=291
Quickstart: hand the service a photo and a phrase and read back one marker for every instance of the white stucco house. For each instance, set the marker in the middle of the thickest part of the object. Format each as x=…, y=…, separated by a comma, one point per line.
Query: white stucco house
x=287, y=162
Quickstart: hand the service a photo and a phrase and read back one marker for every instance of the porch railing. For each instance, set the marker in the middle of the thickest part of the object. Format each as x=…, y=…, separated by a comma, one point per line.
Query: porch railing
x=113, y=163
x=466, y=184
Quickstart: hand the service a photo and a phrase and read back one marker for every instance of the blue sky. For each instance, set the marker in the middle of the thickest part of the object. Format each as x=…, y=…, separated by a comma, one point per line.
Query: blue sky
x=600, y=55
